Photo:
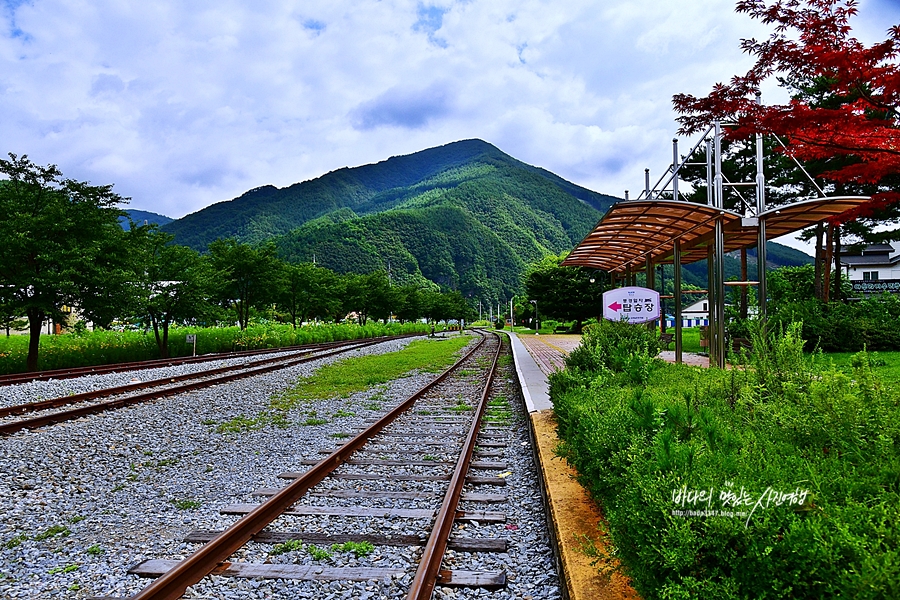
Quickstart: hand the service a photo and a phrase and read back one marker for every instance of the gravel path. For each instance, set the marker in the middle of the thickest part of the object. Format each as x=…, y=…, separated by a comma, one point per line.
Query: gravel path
x=84, y=500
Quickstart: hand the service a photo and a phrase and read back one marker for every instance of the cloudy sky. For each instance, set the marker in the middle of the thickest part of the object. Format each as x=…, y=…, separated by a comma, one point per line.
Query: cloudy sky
x=182, y=104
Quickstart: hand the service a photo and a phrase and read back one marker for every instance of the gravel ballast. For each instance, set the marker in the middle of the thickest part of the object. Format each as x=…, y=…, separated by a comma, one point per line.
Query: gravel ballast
x=83, y=501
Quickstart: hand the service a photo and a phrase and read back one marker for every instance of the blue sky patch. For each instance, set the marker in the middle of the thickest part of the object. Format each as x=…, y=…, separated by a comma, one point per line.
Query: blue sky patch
x=9, y=15
x=430, y=20
x=316, y=27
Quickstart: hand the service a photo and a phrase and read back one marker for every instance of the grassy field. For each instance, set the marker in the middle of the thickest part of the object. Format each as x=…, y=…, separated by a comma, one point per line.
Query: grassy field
x=345, y=377
x=886, y=365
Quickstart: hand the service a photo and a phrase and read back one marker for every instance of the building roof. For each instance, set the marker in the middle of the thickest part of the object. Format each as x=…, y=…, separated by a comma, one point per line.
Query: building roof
x=634, y=230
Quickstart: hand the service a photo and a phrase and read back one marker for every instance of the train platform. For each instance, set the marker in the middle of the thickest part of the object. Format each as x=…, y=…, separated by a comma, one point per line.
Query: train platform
x=574, y=517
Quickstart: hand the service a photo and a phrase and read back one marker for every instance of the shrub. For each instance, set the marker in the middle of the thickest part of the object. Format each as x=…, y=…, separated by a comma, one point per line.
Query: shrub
x=785, y=423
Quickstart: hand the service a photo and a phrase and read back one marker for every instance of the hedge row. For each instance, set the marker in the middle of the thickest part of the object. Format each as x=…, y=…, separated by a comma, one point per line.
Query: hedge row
x=107, y=347
x=778, y=480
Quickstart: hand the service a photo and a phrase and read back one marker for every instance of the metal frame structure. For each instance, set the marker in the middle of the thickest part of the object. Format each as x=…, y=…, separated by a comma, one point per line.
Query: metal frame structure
x=659, y=227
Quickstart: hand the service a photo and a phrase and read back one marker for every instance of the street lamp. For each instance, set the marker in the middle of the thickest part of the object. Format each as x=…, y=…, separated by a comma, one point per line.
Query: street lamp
x=537, y=323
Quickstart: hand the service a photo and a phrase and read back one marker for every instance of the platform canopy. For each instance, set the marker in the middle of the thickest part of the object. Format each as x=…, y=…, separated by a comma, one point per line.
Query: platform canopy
x=634, y=230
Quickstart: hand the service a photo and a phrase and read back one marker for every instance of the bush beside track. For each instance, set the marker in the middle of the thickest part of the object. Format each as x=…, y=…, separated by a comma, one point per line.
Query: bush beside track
x=109, y=347
x=639, y=431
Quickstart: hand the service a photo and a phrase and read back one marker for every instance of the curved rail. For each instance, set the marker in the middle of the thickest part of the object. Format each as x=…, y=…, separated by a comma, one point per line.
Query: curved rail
x=174, y=583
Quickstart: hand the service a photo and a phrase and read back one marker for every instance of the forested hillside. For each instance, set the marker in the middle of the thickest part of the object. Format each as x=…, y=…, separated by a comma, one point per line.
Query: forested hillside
x=464, y=216
x=267, y=211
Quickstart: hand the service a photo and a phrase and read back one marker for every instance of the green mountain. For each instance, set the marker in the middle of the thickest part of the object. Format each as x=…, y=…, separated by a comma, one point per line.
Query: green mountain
x=464, y=216
x=267, y=211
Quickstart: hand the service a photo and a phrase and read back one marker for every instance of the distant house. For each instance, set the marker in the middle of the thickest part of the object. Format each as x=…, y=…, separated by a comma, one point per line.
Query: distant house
x=874, y=270
x=692, y=315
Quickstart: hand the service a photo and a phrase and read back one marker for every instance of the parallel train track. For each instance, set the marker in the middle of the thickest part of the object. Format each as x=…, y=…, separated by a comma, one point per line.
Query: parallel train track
x=89, y=402
x=437, y=419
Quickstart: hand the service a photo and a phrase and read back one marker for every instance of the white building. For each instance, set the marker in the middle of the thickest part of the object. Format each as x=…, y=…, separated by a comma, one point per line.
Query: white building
x=874, y=270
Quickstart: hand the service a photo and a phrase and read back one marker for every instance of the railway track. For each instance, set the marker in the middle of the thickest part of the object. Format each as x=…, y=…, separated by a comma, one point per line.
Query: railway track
x=20, y=378
x=51, y=411
x=430, y=462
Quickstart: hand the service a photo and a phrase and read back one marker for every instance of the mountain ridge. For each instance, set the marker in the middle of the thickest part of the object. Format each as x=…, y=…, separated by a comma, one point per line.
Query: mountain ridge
x=266, y=211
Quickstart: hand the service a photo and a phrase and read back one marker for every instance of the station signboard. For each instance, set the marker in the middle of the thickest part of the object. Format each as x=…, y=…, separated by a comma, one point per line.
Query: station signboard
x=632, y=304
x=877, y=286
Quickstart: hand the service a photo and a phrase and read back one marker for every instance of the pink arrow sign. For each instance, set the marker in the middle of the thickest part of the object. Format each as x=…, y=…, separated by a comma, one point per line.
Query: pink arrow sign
x=615, y=306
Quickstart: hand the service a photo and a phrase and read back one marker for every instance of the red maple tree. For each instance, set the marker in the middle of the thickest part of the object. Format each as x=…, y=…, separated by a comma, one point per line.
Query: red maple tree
x=852, y=121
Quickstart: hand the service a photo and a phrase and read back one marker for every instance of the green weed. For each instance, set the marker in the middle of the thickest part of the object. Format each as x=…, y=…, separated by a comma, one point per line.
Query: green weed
x=15, y=541
x=54, y=531
x=63, y=570
x=318, y=553
x=359, y=549
x=288, y=546
x=186, y=504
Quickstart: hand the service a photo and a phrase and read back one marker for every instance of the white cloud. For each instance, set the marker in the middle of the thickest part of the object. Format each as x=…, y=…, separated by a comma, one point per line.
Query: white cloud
x=185, y=104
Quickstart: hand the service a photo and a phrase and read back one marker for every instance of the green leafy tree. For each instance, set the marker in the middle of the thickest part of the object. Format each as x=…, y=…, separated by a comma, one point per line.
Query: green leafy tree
x=109, y=284
x=563, y=293
x=447, y=305
x=50, y=228
x=174, y=285
x=247, y=276
x=369, y=296
x=409, y=300
x=306, y=291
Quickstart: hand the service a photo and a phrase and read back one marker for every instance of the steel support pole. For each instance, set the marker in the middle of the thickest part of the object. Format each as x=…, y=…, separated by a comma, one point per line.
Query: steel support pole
x=710, y=305
x=676, y=262
x=651, y=283
x=675, y=169
x=719, y=249
x=761, y=231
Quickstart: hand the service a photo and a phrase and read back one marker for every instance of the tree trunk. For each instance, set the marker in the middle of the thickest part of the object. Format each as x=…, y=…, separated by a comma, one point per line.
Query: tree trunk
x=161, y=342
x=819, y=260
x=838, y=292
x=35, y=322
x=826, y=274
x=165, y=340
x=744, y=277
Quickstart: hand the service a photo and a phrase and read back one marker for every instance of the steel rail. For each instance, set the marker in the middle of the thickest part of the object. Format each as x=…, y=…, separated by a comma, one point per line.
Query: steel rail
x=20, y=409
x=428, y=572
x=198, y=565
x=68, y=415
x=16, y=378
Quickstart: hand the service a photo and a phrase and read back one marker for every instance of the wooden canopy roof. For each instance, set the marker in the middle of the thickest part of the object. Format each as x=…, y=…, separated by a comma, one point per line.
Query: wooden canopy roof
x=632, y=231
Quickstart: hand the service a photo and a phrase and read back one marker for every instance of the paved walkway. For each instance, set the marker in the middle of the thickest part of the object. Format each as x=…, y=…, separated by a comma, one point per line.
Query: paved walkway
x=550, y=351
